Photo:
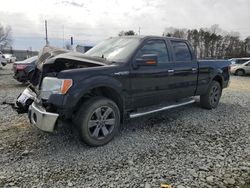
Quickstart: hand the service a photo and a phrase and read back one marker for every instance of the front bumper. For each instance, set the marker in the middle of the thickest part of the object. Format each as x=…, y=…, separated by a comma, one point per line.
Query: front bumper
x=42, y=119
x=20, y=76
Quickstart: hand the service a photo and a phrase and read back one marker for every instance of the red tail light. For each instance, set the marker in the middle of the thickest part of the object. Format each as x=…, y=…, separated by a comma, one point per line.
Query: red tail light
x=21, y=66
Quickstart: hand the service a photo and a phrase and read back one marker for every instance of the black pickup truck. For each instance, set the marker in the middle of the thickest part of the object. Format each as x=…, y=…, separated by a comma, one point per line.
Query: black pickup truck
x=120, y=78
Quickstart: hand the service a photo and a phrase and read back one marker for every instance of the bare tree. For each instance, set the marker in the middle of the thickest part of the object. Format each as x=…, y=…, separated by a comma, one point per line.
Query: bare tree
x=5, y=36
x=247, y=45
x=212, y=42
x=126, y=33
x=175, y=32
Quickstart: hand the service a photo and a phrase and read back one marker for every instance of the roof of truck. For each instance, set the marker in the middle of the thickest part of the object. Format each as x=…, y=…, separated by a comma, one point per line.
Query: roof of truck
x=148, y=36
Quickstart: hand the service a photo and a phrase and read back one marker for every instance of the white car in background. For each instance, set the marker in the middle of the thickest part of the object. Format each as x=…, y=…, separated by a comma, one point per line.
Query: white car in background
x=241, y=69
x=3, y=61
x=10, y=58
x=237, y=61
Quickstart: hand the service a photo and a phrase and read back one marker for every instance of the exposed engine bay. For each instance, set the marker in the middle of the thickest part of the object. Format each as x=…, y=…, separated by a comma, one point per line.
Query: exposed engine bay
x=50, y=62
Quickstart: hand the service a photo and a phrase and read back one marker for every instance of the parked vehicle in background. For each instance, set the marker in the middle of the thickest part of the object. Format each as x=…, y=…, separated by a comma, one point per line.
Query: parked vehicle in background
x=238, y=61
x=241, y=69
x=24, y=69
x=3, y=61
x=10, y=58
x=120, y=78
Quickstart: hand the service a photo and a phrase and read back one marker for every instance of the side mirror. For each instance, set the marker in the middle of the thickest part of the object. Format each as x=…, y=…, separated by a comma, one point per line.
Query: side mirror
x=147, y=60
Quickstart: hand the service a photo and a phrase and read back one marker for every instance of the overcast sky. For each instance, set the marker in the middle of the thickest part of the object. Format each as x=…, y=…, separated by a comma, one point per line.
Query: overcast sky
x=90, y=21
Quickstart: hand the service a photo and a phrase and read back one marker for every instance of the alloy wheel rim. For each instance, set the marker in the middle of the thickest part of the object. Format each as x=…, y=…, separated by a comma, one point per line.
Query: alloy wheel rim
x=214, y=95
x=101, y=122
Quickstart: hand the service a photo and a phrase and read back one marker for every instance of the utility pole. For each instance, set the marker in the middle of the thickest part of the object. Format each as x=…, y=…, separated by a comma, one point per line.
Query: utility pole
x=139, y=31
x=46, y=33
x=71, y=43
x=63, y=37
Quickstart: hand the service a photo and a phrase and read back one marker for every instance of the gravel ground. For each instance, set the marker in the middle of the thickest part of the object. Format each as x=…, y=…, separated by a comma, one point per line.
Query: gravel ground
x=185, y=147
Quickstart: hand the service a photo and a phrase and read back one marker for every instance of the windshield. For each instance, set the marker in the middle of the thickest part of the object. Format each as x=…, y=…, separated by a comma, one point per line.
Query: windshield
x=114, y=49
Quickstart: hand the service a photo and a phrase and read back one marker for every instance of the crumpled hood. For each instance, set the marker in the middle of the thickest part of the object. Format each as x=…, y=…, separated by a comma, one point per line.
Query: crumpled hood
x=51, y=61
x=78, y=57
x=50, y=55
x=48, y=52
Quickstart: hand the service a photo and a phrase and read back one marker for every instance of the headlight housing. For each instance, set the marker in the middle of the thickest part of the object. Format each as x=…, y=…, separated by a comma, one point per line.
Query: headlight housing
x=52, y=85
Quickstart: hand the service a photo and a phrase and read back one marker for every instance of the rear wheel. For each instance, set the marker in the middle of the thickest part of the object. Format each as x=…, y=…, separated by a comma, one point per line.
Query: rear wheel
x=212, y=98
x=98, y=120
x=240, y=72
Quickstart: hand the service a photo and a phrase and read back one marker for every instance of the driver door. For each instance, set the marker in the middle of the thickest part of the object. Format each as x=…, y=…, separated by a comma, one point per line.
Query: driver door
x=150, y=84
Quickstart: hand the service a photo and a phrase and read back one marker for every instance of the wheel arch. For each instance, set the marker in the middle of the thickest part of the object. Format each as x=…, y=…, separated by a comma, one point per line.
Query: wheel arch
x=105, y=91
x=218, y=79
x=241, y=69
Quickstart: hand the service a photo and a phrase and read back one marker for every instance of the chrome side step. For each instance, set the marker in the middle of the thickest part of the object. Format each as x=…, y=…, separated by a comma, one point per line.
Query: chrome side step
x=138, y=114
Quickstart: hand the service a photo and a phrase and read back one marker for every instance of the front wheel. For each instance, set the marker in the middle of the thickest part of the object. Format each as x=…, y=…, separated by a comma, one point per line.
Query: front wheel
x=98, y=120
x=240, y=72
x=212, y=98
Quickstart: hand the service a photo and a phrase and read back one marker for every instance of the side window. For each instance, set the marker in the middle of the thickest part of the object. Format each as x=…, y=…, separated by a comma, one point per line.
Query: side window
x=157, y=47
x=241, y=61
x=181, y=51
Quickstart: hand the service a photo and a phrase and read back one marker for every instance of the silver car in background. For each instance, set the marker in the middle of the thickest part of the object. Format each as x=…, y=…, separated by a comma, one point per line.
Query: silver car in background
x=241, y=69
x=237, y=61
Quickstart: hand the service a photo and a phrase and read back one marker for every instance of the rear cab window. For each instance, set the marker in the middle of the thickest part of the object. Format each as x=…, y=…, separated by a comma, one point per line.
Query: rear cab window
x=181, y=51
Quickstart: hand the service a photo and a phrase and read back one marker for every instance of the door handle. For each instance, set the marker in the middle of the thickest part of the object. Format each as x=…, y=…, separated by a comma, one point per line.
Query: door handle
x=194, y=69
x=122, y=73
x=170, y=71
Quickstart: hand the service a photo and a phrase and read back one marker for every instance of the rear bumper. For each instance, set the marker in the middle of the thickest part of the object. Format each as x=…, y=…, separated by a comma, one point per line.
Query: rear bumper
x=42, y=119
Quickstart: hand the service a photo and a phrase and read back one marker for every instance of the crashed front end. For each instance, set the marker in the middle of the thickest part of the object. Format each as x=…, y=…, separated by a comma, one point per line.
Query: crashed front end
x=29, y=100
x=43, y=99
x=42, y=119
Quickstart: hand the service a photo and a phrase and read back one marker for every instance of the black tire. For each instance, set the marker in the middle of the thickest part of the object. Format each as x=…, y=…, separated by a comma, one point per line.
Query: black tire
x=98, y=120
x=240, y=72
x=212, y=98
x=29, y=75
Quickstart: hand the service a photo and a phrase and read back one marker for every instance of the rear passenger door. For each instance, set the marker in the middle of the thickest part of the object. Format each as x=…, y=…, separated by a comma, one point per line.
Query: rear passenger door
x=185, y=68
